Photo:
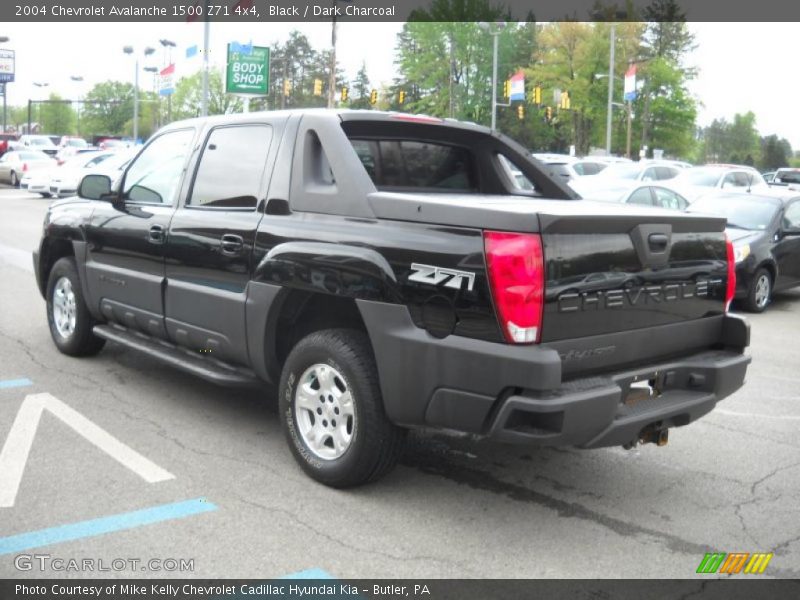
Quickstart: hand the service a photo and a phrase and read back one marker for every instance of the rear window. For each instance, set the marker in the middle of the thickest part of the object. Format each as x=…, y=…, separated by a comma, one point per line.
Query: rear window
x=404, y=164
x=787, y=176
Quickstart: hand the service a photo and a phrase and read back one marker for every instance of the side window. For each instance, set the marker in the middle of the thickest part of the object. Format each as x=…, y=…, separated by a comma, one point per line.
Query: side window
x=231, y=167
x=649, y=174
x=641, y=196
x=514, y=175
x=580, y=168
x=155, y=175
x=791, y=217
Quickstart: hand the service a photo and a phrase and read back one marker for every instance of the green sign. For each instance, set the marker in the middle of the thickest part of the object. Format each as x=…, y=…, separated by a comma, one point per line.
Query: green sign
x=248, y=70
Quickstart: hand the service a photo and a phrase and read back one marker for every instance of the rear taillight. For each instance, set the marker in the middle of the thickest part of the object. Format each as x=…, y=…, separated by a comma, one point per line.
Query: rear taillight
x=515, y=264
x=24, y=167
x=730, y=290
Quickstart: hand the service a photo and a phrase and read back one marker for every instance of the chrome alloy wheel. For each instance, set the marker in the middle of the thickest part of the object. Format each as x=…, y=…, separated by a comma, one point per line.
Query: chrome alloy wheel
x=325, y=412
x=762, y=290
x=64, y=307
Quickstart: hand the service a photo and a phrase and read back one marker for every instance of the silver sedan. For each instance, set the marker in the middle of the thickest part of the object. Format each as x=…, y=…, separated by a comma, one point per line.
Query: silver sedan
x=14, y=165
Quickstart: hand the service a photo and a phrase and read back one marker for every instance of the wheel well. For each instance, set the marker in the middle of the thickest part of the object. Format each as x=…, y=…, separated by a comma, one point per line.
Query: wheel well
x=302, y=313
x=54, y=250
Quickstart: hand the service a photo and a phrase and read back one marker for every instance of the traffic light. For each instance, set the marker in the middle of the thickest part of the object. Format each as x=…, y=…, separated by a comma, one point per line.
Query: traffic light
x=521, y=111
x=318, y=87
x=506, y=88
x=548, y=113
x=287, y=87
x=537, y=95
x=401, y=97
x=565, y=103
x=373, y=96
x=344, y=94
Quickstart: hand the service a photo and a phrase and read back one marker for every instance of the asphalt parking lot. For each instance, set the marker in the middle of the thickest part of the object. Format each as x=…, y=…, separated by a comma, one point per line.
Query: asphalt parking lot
x=132, y=460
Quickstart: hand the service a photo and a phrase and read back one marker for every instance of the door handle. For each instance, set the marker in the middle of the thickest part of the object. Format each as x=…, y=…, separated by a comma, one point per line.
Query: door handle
x=231, y=244
x=156, y=234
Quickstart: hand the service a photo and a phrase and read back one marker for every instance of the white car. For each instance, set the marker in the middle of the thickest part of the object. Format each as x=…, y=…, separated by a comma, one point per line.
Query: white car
x=619, y=177
x=64, y=180
x=14, y=165
x=699, y=181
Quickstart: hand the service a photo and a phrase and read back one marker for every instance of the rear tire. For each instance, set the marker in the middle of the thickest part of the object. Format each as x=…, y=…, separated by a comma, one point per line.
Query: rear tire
x=759, y=294
x=45, y=194
x=14, y=179
x=330, y=375
x=67, y=315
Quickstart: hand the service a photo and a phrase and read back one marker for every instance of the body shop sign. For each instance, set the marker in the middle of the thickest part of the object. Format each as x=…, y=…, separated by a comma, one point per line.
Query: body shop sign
x=247, y=72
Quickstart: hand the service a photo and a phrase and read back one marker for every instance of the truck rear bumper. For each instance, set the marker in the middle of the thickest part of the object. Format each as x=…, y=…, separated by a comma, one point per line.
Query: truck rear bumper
x=615, y=409
x=525, y=394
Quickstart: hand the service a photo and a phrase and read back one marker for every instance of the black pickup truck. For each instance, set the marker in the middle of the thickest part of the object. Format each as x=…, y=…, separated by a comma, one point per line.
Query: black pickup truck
x=391, y=271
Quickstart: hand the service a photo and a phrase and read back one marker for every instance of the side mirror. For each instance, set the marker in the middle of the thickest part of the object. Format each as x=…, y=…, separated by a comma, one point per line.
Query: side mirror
x=95, y=187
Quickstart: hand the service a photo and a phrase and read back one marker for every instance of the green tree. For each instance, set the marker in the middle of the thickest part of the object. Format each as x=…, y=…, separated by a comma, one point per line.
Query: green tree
x=57, y=117
x=107, y=107
x=188, y=96
x=360, y=89
x=775, y=153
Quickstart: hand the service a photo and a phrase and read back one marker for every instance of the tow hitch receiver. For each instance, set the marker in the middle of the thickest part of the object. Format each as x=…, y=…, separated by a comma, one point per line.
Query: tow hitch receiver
x=650, y=435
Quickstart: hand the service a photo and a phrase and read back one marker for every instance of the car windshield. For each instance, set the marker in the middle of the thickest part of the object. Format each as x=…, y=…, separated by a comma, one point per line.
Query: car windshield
x=40, y=141
x=33, y=156
x=742, y=212
x=700, y=177
x=85, y=159
x=620, y=171
x=77, y=143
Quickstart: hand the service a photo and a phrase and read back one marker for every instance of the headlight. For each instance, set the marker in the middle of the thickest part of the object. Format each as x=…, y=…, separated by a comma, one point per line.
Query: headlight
x=741, y=252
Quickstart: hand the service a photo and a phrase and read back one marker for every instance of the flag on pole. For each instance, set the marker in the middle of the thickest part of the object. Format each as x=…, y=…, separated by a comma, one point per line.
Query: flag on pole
x=630, y=84
x=167, y=84
x=517, y=88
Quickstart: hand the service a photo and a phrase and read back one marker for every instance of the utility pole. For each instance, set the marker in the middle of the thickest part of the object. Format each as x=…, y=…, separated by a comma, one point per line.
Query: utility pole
x=610, y=87
x=206, y=35
x=332, y=76
x=628, y=142
x=495, y=33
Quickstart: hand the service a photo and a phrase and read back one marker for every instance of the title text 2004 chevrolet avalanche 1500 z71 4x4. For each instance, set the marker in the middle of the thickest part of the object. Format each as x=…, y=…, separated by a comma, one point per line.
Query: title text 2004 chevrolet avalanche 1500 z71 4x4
x=389, y=272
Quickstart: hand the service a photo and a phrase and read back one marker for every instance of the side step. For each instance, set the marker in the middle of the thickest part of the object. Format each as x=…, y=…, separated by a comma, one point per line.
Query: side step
x=209, y=369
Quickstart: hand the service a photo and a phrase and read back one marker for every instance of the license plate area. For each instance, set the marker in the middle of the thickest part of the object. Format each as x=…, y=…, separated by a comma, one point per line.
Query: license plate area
x=642, y=387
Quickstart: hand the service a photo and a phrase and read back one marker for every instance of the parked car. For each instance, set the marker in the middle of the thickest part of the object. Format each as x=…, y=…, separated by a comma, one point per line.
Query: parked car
x=63, y=180
x=5, y=138
x=13, y=165
x=112, y=144
x=788, y=177
x=42, y=143
x=647, y=195
x=588, y=166
x=765, y=231
x=619, y=177
x=699, y=181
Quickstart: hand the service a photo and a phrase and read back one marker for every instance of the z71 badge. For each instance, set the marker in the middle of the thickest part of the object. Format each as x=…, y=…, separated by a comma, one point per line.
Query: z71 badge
x=439, y=275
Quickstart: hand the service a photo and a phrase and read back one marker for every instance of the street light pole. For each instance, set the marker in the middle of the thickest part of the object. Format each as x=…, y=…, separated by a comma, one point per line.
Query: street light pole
x=332, y=76
x=610, y=87
x=3, y=40
x=495, y=33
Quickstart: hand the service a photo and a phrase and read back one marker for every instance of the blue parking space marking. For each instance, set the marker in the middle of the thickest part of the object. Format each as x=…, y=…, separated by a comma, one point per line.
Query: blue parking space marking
x=308, y=574
x=15, y=383
x=102, y=525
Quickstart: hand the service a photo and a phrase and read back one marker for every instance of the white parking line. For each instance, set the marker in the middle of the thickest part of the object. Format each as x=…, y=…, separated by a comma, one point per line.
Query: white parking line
x=18, y=444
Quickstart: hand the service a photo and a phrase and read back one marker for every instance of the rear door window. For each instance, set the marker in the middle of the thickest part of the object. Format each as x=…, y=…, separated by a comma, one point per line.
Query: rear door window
x=641, y=196
x=412, y=164
x=231, y=167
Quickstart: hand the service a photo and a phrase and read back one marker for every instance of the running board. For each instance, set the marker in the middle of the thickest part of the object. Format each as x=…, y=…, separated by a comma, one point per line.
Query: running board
x=207, y=368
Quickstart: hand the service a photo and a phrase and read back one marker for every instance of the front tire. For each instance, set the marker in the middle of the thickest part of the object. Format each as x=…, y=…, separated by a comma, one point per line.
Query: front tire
x=67, y=315
x=332, y=411
x=759, y=294
x=45, y=194
x=14, y=179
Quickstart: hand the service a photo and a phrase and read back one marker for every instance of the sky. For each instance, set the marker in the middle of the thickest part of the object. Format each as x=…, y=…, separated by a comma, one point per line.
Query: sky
x=741, y=65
